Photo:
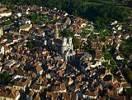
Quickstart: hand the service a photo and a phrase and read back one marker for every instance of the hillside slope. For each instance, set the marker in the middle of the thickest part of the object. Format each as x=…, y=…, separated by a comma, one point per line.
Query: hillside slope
x=101, y=12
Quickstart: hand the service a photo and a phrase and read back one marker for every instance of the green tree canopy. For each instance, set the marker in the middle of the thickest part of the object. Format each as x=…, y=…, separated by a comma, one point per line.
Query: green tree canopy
x=4, y=78
x=126, y=48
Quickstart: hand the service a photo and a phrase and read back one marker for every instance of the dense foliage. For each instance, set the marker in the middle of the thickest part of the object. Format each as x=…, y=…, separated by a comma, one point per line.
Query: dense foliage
x=4, y=78
x=126, y=48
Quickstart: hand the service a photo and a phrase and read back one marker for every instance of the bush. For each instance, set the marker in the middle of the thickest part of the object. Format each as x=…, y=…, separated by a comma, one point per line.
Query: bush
x=4, y=78
x=126, y=48
x=76, y=43
x=67, y=33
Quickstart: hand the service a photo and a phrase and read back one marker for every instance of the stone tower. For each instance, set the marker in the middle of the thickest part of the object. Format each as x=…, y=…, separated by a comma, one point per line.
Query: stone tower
x=70, y=43
x=64, y=45
x=1, y=31
x=67, y=44
x=56, y=31
x=67, y=49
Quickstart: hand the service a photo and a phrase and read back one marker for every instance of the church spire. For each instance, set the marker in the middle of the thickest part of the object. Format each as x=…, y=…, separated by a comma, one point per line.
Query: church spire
x=1, y=31
x=56, y=31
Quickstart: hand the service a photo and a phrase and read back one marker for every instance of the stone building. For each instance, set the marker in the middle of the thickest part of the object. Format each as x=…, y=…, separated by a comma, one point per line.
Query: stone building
x=1, y=32
x=64, y=47
x=67, y=45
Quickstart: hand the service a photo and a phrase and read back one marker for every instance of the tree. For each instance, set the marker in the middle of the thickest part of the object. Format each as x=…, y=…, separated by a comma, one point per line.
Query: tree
x=30, y=44
x=89, y=29
x=4, y=78
x=126, y=48
x=110, y=63
x=67, y=33
x=76, y=43
x=128, y=74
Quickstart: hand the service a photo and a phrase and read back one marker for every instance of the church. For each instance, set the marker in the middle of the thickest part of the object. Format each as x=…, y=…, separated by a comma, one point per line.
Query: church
x=63, y=45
